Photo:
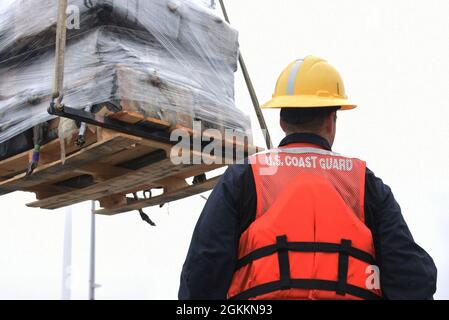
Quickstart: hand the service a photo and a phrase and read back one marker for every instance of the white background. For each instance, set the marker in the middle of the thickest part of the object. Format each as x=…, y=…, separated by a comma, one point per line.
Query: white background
x=393, y=56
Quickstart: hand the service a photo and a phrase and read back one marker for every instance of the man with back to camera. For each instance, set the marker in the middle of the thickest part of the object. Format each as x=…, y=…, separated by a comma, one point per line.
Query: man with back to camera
x=302, y=222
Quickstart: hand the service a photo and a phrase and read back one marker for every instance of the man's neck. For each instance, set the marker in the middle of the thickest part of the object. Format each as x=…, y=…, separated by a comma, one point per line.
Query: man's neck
x=303, y=137
x=320, y=134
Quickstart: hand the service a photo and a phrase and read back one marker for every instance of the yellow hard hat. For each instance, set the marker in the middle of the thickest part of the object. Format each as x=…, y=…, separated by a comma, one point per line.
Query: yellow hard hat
x=309, y=83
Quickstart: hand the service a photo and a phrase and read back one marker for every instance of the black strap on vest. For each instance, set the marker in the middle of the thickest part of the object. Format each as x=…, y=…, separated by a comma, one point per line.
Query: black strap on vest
x=305, y=247
x=307, y=284
x=284, y=262
x=343, y=264
x=282, y=248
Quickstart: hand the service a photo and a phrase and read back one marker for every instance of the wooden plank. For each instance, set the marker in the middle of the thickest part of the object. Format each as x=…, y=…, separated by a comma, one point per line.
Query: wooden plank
x=46, y=191
x=155, y=145
x=49, y=153
x=113, y=201
x=184, y=128
x=14, y=165
x=132, y=117
x=133, y=152
x=172, y=184
x=156, y=171
x=163, y=123
x=164, y=198
x=112, y=182
x=148, y=174
x=128, y=117
x=141, y=188
x=52, y=172
x=198, y=170
x=101, y=171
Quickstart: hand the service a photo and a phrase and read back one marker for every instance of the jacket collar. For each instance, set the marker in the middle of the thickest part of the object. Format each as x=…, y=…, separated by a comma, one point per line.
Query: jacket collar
x=310, y=138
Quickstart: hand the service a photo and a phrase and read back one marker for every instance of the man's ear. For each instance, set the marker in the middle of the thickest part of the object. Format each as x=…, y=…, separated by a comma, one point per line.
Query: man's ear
x=283, y=126
x=330, y=122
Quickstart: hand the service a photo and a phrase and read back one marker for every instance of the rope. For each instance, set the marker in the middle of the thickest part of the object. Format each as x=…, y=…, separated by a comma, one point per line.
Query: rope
x=252, y=91
x=61, y=36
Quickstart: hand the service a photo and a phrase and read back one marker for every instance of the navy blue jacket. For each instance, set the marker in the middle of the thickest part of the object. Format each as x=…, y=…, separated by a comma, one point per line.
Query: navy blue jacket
x=406, y=270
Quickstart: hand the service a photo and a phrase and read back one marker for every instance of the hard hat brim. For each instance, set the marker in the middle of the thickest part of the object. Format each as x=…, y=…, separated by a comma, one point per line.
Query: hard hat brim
x=307, y=102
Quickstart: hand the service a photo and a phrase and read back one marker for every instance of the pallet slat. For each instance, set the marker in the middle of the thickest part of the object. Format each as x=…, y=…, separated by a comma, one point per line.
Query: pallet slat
x=112, y=166
x=134, y=117
x=165, y=198
x=158, y=171
x=52, y=172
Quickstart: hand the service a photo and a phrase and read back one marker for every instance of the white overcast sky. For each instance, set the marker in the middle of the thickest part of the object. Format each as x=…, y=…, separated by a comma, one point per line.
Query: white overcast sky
x=393, y=56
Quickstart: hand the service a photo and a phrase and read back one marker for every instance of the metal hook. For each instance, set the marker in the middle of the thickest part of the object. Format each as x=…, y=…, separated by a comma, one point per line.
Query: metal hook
x=56, y=102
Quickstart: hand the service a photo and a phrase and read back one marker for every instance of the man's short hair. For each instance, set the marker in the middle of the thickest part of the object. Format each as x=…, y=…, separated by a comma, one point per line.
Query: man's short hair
x=306, y=118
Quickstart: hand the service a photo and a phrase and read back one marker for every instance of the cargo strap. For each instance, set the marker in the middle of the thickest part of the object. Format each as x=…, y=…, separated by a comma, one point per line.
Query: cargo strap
x=38, y=140
x=61, y=39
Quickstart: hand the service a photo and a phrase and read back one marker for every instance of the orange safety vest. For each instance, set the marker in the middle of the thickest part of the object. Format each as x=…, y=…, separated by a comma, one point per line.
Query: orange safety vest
x=309, y=239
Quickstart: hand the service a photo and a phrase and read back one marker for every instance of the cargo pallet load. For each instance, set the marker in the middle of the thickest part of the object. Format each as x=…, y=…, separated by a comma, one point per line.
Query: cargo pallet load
x=135, y=73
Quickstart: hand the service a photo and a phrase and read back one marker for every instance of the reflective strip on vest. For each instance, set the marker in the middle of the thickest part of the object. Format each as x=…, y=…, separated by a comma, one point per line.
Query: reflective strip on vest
x=302, y=151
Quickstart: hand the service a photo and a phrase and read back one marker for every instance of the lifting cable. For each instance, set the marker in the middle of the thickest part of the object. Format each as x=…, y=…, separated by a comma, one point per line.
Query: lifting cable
x=252, y=91
x=61, y=36
x=38, y=130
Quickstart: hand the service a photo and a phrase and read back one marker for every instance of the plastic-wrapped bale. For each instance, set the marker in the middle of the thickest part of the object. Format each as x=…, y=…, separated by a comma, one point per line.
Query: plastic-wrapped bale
x=172, y=60
x=127, y=69
x=27, y=26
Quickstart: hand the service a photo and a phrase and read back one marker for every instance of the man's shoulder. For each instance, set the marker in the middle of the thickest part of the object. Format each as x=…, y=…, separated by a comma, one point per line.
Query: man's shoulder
x=375, y=183
x=378, y=196
x=236, y=172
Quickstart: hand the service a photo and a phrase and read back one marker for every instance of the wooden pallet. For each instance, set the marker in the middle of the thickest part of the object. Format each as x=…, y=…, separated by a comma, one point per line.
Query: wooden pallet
x=111, y=167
